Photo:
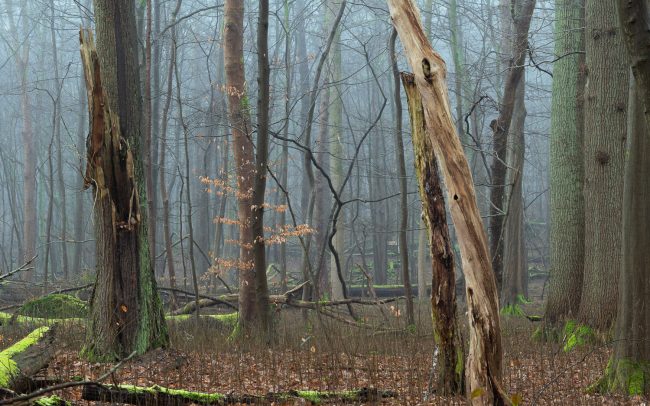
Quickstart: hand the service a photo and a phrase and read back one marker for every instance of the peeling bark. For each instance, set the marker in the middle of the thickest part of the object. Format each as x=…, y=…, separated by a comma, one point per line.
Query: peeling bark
x=485, y=351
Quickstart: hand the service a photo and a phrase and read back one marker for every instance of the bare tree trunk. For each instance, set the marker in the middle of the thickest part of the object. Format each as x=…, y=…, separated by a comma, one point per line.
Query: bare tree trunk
x=566, y=169
x=263, y=309
x=515, y=275
x=401, y=165
x=606, y=97
x=629, y=368
x=29, y=157
x=485, y=351
x=125, y=314
x=500, y=128
x=245, y=169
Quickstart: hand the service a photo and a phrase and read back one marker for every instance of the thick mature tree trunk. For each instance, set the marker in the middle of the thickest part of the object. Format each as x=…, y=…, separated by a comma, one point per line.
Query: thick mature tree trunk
x=629, y=369
x=125, y=311
x=515, y=270
x=634, y=18
x=501, y=127
x=485, y=351
x=443, y=300
x=567, y=175
x=401, y=166
x=604, y=154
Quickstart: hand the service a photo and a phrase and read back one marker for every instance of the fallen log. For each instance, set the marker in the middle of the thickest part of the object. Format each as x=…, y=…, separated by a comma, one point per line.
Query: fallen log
x=161, y=396
x=26, y=357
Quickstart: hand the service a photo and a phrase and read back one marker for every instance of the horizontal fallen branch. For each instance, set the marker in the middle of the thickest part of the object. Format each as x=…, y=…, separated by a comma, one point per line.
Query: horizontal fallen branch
x=161, y=396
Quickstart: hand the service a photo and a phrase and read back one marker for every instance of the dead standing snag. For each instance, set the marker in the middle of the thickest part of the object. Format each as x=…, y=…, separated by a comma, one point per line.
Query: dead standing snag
x=483, y=371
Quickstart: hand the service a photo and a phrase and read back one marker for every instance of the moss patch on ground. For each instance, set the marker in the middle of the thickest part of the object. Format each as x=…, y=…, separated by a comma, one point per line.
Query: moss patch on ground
x=51, y=401
x=8, y=367
x=55, y=306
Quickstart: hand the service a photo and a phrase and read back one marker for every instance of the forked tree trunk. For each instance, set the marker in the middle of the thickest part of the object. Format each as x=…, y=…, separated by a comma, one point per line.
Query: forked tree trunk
x=125, y=310
x=485, y=351
x=501, y=127
x=443, y=282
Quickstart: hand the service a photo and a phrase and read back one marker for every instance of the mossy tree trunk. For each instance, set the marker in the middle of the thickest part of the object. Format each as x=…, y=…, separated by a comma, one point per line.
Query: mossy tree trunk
x=483, y=370
x=125, y=311
x=567, y=173
x=629, y=369
x=606, y=97
x=443, y=282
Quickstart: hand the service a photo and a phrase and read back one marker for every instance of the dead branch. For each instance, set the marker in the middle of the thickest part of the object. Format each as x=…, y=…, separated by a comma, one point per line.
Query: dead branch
x=23, y=267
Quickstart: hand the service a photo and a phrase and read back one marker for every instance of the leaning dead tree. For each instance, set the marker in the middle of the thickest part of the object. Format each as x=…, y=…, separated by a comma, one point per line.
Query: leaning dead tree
x=483, y=369
x=443, y=297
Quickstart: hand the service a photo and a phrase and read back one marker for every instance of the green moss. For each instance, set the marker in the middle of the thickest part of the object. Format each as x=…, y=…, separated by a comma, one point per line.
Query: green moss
x=513, y=310
x=576, y=335
x=8, y=367
x=197, y=397
x=51, y=401
x=56, y=306
x=625, y=376
x=318, y=397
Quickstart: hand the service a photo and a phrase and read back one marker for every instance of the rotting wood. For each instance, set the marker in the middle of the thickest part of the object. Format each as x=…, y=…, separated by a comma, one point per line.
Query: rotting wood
x=443, y=298
x=483, y=367
x=161, y=396
x=26, y=357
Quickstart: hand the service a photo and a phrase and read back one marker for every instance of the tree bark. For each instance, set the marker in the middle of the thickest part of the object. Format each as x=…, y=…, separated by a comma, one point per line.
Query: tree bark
x=451, y=361
x=125, y=310
x=515, y=275
x=566, y=168
x=25, y=358
x=606, y=95
x=629, y=369
x=484, y=362
x=242, y=150
x=401, y=166
x=501, y=128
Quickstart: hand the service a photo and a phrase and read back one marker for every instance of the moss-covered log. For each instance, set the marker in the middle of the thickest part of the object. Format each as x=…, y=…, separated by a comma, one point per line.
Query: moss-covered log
x=161, y=396
x=26, y=357
x=54, y=306
x=9, y=318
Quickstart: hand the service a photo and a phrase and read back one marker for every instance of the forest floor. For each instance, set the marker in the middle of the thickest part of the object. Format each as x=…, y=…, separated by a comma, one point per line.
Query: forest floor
x=334, y=356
